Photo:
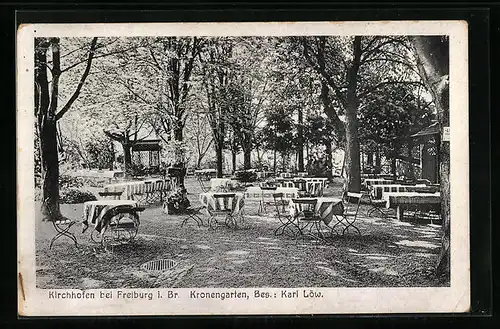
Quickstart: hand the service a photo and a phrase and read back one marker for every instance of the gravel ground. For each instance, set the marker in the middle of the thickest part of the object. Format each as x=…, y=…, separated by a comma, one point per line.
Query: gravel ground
x=388, y=254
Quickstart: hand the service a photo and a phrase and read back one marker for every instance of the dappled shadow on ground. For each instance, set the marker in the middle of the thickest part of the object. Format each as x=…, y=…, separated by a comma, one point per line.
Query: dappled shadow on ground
x=387, y=254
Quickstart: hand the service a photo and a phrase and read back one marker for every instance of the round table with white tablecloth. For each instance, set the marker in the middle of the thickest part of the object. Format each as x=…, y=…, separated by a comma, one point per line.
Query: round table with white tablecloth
x=94, y=211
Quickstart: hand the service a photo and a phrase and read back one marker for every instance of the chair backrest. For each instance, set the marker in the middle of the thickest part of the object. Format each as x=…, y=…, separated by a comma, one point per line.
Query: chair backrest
x=315, y=188
x=300, y=184
x=149, y=186
x=305, y=206
x=278, y=202
x=159, y=185
x=202, y=185
x=349, y=197
x=224, y=201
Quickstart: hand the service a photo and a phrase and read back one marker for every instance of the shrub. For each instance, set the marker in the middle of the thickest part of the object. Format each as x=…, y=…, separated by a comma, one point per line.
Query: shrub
x=70, y=182
x=246, y=176
x=177, y=201
x=71, y=196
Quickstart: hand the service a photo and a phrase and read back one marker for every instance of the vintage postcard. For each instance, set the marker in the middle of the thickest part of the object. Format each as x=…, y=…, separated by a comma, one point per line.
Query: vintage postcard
x=243, y=168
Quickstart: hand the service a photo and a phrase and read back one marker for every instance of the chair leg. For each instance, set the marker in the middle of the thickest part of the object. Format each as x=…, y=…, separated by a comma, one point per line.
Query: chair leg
x=212, y=222
x=339, y=222
x=63, y=232
x=350, y=224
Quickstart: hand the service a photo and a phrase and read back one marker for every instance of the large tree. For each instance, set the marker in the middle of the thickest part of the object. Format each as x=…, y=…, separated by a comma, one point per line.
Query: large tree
x=159, y=73
x=48, y=71
x=217, y=71
x=391, y=115
x=354, y=67
x=433, y=64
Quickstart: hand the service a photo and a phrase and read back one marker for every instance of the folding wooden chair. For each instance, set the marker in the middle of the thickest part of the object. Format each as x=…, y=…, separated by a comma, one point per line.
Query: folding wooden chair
x=285, y=219
x=120, y=224
x=307, y=217
x=62, y=228
x=193, y=214
x=263, y=203
x=376, y=205
x=349, y=216
x=223, y=208
x=155, y=195
x=202, y=185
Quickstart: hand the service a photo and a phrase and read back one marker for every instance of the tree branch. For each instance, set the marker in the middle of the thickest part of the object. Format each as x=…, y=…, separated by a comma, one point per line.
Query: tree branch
x=386, y=83
x=80, y=84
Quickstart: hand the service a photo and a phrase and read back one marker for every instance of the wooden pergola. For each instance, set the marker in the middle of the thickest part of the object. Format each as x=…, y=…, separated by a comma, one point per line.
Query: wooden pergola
x=147, y=153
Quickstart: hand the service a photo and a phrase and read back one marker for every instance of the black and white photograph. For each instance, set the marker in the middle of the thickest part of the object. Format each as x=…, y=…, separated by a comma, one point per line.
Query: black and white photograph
x=243, y=169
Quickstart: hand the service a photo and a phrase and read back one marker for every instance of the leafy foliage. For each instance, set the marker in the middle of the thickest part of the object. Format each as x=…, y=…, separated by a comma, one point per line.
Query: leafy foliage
x=72, y=196
x=392, y=115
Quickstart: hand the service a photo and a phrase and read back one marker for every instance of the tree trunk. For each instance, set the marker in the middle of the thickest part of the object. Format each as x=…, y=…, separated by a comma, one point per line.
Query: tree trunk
x=198, y=162
x=274, y=160
x=50, y=171
x=246, y=158
x=393, y=168
x=46, y=106
x=179, y=156
x=433, y=65
x=353, y=150
x=233, y=156
x=127, y=159
x=300, y=141
x=329, y=174
x=378, y=163
x=218, y=154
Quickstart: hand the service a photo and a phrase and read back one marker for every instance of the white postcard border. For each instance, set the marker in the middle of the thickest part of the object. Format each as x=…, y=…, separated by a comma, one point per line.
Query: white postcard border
x=456, y=298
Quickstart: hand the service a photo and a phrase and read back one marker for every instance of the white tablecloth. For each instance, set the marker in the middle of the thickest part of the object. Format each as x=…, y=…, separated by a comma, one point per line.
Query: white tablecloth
x=93, y=211
x=379, y=190
x=255, y=192
x=393, y=199
x=236, y=203
x=326, y=207
x=138, y=187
